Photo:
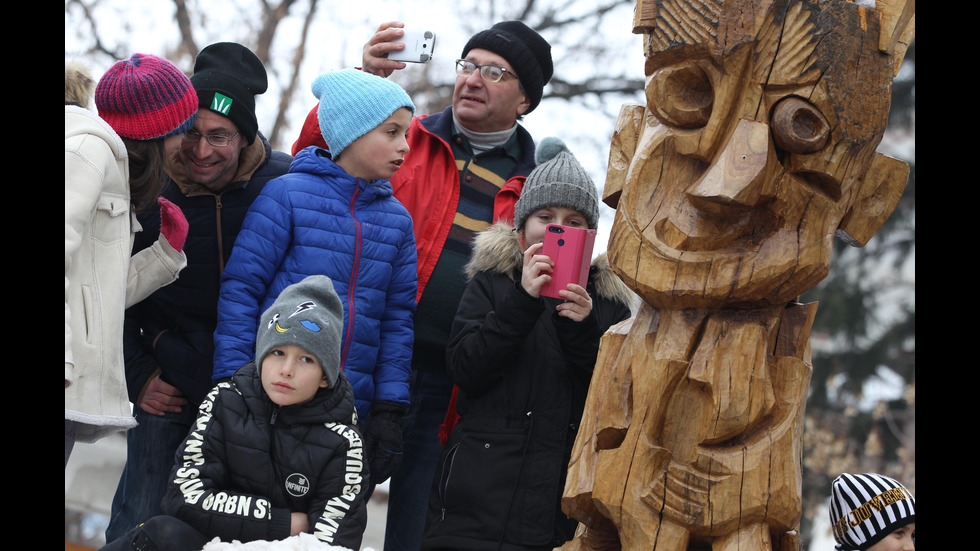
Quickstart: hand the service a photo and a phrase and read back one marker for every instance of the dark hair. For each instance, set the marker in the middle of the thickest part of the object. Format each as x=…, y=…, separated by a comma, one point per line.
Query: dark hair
x=146, y=158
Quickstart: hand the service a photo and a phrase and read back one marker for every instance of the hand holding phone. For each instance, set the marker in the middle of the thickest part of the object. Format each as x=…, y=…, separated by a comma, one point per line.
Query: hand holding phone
x=419, y=47
x=571, y=251
x=577, y=305
x=536, y=270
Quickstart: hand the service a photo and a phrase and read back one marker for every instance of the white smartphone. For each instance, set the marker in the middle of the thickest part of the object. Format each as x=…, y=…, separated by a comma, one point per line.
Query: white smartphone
x=419, y=47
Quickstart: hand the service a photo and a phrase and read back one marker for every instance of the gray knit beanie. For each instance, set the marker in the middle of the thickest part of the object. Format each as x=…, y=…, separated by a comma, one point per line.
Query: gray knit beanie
x=352, y=103
x=557, y=181
x=309, y=315
x=864, y=508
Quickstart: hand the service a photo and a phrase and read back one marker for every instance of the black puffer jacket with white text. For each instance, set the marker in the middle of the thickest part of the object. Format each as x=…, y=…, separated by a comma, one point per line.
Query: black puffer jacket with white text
x=248, y=463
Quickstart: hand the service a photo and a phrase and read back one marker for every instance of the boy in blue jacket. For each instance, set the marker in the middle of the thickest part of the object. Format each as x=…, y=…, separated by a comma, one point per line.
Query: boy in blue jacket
x=334, y=214
x=274, y=451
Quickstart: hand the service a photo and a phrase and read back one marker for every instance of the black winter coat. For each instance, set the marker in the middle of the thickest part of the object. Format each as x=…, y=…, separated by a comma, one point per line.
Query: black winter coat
x=248, y=463
x=523, y=373
x=173, y=329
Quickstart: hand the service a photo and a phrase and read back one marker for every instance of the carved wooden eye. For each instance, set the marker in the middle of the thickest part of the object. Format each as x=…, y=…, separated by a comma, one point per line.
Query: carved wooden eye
x=798, y=126
x=681, y=96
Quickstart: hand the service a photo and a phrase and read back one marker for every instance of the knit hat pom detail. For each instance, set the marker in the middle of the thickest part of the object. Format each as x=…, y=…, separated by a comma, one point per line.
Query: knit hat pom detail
x=146, y=97
x=548, y=149
x=558, y=180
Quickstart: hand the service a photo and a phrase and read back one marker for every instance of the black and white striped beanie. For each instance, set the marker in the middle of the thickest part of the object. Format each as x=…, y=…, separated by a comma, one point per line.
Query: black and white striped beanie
x=864, y=508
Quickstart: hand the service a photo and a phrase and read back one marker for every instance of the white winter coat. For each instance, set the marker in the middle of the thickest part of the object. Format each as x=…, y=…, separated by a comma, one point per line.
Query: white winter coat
x=102, y=279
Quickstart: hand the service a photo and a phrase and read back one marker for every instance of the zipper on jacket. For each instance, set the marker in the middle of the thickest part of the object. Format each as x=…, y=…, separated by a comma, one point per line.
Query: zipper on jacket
x=221, y=246
x=353, y=275
x=445, y=472
x=276, y=478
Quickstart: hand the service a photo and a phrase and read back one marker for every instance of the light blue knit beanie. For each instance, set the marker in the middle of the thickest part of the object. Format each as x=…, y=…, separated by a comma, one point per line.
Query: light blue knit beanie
x=352, y=103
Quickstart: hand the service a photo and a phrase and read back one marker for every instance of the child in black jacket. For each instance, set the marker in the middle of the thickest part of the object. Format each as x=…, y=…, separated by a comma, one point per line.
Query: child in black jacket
x=275, y=451
x=522, y=363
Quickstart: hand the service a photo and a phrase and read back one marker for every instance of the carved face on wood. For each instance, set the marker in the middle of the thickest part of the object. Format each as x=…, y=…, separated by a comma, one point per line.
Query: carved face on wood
x=756, y=145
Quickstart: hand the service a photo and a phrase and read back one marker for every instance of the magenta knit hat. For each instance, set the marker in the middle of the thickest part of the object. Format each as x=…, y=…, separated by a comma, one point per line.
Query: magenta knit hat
x=146, y=97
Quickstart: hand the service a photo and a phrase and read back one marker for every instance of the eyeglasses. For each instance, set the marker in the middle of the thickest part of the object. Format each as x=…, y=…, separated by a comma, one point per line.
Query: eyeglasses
x=489, y=73
x=217, y=140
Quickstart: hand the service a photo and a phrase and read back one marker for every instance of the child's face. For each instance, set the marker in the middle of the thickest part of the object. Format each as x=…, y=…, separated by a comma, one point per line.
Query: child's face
x=378, y=154
x=537, y=222
x=902, y=539
x=291, y=375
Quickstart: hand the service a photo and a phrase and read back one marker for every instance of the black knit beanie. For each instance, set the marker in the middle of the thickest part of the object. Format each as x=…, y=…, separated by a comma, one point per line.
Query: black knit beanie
x=227, y=77
x=526, y=51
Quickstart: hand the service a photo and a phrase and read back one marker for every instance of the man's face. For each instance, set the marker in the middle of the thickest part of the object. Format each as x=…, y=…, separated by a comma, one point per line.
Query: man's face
x=483, y=106
x=210, y=166
x=744, y=166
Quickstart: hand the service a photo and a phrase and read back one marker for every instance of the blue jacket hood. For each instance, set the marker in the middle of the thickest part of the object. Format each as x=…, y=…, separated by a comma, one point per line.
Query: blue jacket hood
x=314, y=160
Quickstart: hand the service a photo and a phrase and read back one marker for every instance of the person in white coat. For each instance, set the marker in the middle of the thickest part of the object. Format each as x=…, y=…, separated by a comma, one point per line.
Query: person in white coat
x=112, y=167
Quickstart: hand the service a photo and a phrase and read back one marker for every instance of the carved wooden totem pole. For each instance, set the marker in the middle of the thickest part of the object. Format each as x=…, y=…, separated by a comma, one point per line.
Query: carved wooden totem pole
x=756, y=145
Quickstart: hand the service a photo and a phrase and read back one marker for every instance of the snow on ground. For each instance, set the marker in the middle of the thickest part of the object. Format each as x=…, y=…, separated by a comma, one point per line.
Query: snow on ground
x=93, y=472
x=302, y=542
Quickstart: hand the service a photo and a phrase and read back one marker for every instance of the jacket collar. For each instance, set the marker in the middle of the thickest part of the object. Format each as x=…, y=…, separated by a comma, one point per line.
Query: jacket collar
x=498, y=250
x=328, y=405
x=317, y=161
x=440, y=125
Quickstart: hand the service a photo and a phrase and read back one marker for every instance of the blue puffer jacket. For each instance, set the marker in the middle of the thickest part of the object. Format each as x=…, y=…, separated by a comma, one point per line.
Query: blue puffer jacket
x=317, y=219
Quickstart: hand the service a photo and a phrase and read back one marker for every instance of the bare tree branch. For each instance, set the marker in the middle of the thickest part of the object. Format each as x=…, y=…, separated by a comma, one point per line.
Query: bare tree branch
x=89, y=17
x=272, y=15
x=597, y=86
x=286, y=98
x=188, y=45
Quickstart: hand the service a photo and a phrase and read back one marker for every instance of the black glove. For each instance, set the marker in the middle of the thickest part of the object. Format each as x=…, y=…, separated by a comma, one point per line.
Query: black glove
x=383, y=439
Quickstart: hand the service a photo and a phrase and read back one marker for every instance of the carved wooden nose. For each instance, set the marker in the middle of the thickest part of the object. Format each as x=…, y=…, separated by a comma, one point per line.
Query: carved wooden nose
x=738, y=176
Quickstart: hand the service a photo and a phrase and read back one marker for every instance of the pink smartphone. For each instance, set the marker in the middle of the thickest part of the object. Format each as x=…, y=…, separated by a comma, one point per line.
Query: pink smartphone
x=571, y=251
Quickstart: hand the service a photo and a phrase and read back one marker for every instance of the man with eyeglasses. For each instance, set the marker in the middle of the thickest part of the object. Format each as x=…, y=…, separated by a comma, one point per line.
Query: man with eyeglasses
x=218, y=168
x=464, y=172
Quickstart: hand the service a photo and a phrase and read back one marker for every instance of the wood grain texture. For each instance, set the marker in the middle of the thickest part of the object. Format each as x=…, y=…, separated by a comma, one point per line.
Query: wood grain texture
x=756, y=146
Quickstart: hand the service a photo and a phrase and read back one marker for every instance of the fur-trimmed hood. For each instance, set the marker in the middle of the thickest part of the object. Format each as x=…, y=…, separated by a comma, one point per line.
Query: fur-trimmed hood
x=79, y=84
x=498, y=249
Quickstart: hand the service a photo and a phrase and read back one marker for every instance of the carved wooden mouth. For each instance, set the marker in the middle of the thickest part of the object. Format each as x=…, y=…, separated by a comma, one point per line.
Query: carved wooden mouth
x=733, y=228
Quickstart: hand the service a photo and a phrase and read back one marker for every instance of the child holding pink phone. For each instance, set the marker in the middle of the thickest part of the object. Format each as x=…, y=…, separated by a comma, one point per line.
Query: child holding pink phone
x=522, y=363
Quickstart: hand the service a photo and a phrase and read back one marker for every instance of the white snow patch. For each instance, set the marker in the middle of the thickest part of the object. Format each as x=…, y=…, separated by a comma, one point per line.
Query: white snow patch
x=301, y=542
